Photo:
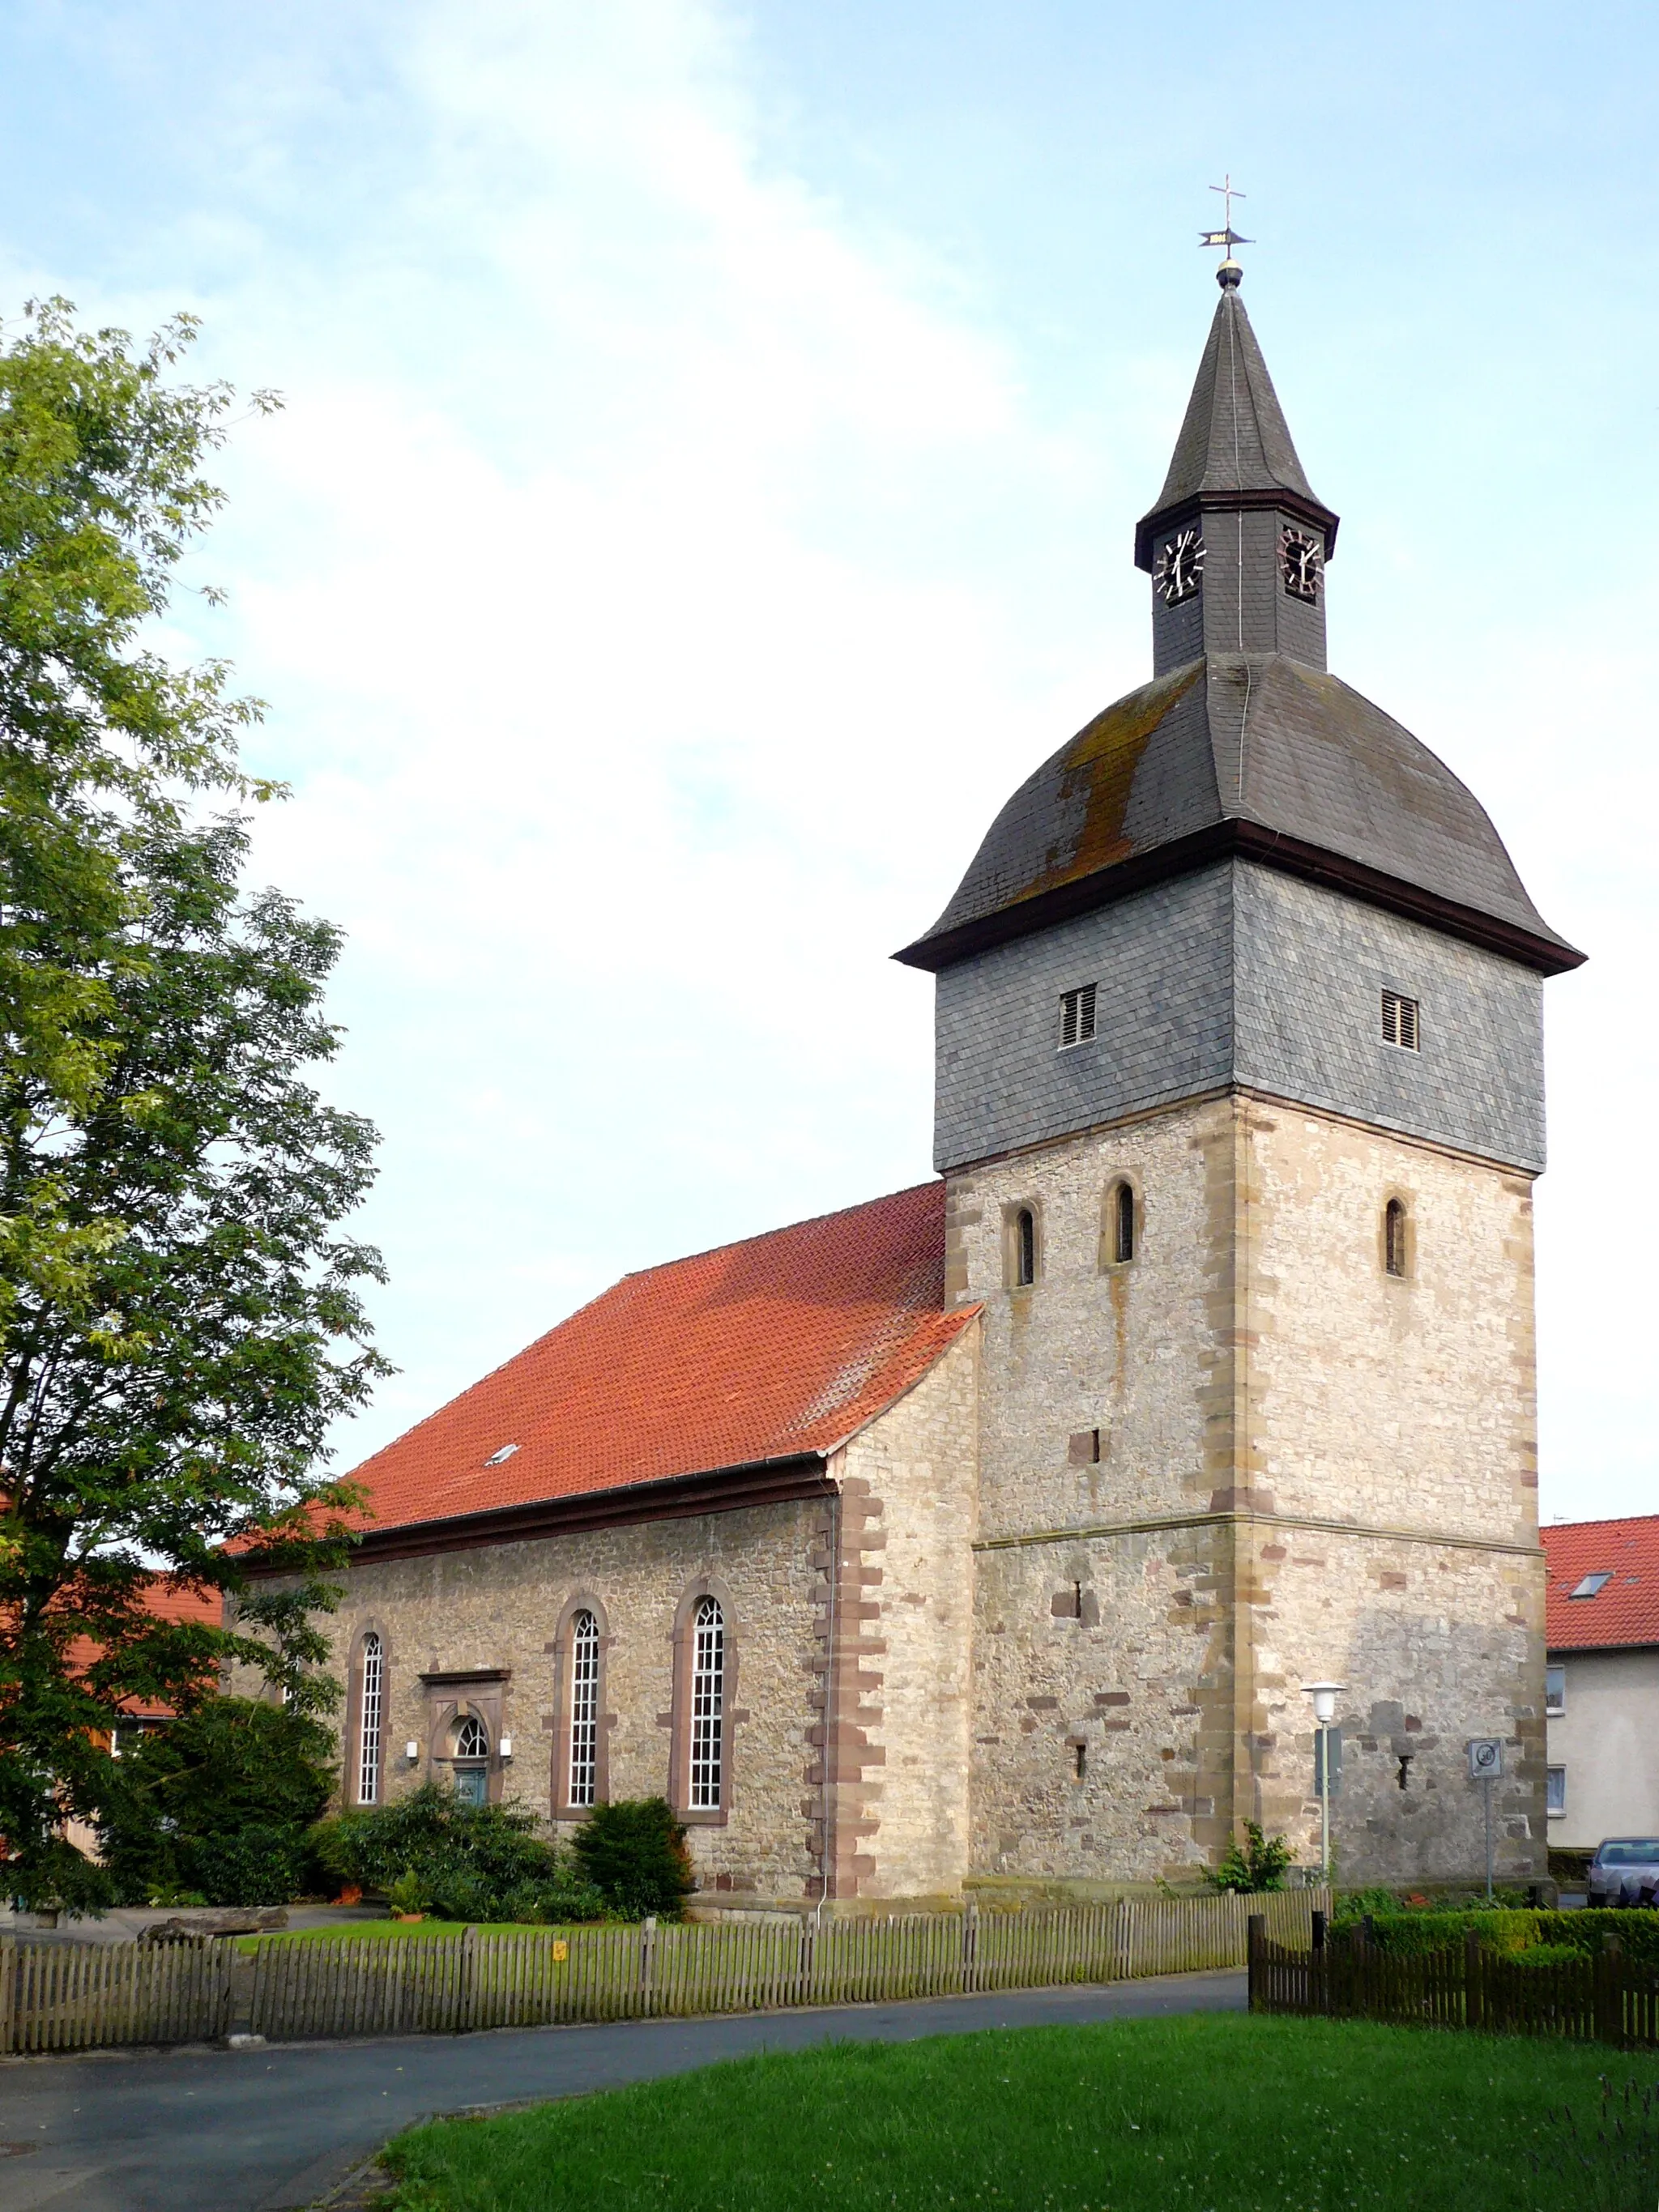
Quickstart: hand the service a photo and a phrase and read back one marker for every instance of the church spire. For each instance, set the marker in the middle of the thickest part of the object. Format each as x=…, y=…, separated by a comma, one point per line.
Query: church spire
x=1257, y=585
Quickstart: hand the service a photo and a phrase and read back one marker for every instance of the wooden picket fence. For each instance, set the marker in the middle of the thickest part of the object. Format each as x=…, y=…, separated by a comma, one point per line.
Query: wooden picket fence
x=71, y=1996
x=1606, y=1997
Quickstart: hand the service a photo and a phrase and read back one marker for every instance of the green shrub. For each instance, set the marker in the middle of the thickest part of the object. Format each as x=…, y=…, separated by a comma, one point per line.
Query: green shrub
x=408, y=1893
x=257, y=1865
x=1518, y=1933
x=472, y=1862
x=1260, y=1865
x=1637, y=1932
x=634, y=1853
x=1416, y=1932
x=218, y=1803
x=1550, y=1954
x=570, y=1898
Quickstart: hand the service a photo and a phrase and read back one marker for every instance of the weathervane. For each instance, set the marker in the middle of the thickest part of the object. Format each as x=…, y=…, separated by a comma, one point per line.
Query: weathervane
x=1228, y=275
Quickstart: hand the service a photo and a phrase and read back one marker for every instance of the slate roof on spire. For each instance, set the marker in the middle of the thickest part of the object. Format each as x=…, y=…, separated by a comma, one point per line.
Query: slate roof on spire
x=1234, y=438
x=1254, y=754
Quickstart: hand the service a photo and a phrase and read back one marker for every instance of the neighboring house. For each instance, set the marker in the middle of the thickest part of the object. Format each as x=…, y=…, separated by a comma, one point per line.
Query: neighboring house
x=139, y=1716
x=1601, y=1684
x=989, y=1532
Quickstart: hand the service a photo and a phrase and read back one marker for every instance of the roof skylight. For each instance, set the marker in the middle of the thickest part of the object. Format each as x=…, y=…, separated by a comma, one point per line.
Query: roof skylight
x=1591, y=1586
x=500, y=1458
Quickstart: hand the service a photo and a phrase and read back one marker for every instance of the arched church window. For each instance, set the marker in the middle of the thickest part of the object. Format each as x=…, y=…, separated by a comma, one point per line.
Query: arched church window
x=371, y=1709
x=472, y=1762
x=584, y=1709
x=1394, y=1236
x=1025, y=1253
x=708, y=1706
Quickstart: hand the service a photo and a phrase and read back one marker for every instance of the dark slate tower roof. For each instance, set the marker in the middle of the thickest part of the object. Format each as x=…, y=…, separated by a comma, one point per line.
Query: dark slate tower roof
x=1243, y=743
x=1235, y=449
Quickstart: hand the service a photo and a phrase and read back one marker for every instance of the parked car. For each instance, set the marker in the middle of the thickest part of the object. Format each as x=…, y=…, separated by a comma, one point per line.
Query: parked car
x=1625, y=1871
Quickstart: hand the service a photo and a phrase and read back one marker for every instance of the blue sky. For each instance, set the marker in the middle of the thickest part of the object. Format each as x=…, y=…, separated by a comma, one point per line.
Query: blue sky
x=713, y=442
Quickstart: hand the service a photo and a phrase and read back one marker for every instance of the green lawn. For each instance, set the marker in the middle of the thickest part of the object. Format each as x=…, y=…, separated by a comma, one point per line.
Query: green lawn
x=1221, y=2113
x=378, y=1930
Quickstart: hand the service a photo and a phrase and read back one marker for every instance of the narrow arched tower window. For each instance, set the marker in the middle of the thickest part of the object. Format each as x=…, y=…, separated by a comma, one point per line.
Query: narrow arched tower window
x=1394, y=1237
x=370, y=1713
x=1025, y=1248
x=708, y=1706
x=1123, y=1223
x=584, y=1709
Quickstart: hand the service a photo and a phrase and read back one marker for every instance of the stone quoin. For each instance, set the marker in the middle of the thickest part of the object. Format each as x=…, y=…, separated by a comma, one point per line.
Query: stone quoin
x=983, y=1536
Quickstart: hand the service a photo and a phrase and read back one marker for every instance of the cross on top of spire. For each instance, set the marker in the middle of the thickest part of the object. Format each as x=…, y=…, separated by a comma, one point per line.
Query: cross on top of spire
x=1228, y=275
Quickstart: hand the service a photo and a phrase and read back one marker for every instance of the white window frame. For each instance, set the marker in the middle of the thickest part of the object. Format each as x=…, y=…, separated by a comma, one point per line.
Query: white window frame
x=472, y=1741
x=371, y=1719
x=1076, y=1016
x=1555, y=1792
x=1555, y=1703
x=584, y=1769
x=1402, y=1022
x=708, y=1717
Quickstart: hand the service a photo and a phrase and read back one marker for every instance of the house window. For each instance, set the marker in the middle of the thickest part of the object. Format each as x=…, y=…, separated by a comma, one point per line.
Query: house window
x=1591, y=1586
x=1400, y=1026
x=1394, y=1236
x=584, y=1709
x=471, y=1768
x=1555, y=1690
x=708, y=1704
x=1555, y=1789
x=1023, y=1257
x=370, y=1720
x=1076, y=1016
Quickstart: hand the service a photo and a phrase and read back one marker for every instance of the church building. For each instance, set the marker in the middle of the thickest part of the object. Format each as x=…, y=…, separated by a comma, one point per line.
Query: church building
x=988, y=1534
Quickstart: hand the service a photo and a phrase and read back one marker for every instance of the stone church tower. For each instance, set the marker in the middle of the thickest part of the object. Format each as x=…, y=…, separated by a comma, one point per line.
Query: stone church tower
x=1240, y=1101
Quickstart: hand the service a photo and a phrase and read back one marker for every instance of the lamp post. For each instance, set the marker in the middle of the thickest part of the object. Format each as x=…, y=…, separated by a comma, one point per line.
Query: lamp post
x=1324, y=1696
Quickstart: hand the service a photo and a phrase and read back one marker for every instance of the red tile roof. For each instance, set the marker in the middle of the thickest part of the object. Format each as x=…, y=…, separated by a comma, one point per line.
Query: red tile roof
x=168, y=1602
x=1626, y=1610
x=779, y=1347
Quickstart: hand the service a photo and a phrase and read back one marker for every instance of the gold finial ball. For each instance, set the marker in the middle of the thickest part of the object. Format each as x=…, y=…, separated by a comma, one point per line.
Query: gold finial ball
x=1229, y=275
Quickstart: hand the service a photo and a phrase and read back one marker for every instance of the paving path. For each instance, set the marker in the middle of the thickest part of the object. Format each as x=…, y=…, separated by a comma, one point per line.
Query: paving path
x=262, y=2130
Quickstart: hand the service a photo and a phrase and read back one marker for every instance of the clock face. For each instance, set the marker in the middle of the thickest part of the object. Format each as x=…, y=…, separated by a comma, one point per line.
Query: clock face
x=1180, y=567
x=1299, y=563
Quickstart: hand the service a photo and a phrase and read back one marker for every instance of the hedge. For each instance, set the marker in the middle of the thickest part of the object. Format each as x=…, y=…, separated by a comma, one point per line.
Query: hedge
x=1515, y=1931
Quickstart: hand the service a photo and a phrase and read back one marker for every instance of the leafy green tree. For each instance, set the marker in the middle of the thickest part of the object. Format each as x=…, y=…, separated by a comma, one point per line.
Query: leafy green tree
x=217, y=1802
x=179, y=1316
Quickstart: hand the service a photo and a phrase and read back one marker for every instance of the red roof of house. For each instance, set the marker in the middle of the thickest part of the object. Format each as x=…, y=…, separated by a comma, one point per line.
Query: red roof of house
x=779, y=1347
x=1626, y=1609
x=170, y=1601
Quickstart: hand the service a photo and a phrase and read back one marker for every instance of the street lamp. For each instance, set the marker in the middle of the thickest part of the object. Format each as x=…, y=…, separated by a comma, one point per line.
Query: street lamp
x=1324, y=1696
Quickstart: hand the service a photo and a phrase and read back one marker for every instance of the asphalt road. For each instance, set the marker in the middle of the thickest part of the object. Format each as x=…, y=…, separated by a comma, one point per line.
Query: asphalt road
x=261, y=2131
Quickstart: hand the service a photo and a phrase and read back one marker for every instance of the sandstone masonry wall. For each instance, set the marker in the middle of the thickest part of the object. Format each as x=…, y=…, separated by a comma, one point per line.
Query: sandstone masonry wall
x=1307, y=1470
x=498, y=1607
x=903, y=1633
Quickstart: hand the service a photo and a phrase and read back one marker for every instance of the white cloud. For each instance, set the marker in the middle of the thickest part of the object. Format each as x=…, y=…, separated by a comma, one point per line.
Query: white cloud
x=624, y=745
